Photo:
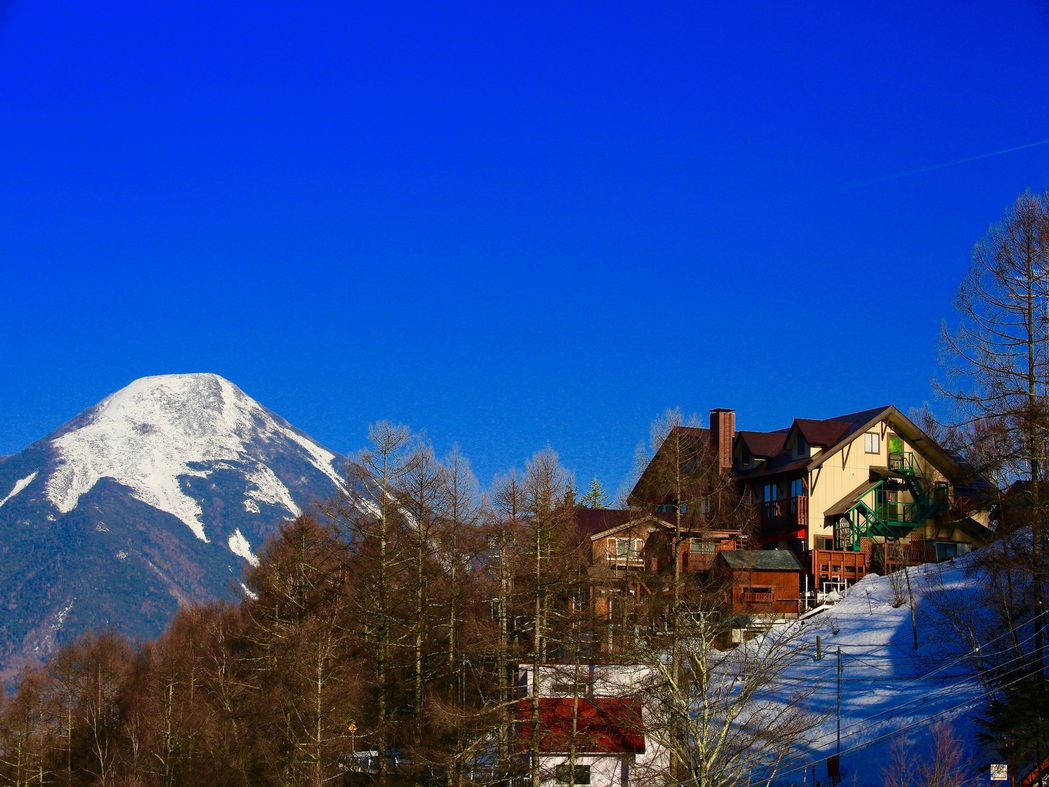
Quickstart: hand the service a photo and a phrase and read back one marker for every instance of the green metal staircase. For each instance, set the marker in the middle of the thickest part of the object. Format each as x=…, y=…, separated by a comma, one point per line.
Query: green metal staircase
x=874, y=514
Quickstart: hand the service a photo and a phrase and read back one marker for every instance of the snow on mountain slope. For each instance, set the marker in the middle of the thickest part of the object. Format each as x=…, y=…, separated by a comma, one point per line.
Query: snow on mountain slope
x=158, y=430
x=20, y=484
x=239, y=545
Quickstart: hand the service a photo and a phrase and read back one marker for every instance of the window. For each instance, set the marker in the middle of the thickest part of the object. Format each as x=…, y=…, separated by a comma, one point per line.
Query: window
x=949, y=550
x=697, y=546
x=824, y=542
x=627, y=548
x=801, y=448
x=569, y=688
x=872, y=443
x=843, y=533
x=564, y=775
x=797, y=487
x=771, y=492
x=744, y=455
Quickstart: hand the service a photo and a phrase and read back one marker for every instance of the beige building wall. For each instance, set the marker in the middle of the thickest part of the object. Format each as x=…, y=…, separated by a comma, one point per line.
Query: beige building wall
x=842, y=473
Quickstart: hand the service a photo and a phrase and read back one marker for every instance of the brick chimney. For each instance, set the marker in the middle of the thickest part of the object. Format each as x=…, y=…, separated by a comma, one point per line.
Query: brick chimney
x=722, y=433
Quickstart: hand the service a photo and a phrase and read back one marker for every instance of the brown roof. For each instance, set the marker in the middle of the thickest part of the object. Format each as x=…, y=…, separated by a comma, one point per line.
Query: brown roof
x=596, y=520
x=764, y=444
x=822, y=432
x=847, y=502
x=693, y=438
x=829, y=432
x=600, y=573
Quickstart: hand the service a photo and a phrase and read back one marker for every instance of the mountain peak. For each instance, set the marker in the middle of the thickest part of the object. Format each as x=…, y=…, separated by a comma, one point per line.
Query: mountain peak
x=158, y=431
x=155, y=497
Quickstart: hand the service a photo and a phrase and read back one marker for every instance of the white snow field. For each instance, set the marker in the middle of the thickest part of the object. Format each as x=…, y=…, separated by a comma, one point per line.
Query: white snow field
x=891, y=690
x=146, y=435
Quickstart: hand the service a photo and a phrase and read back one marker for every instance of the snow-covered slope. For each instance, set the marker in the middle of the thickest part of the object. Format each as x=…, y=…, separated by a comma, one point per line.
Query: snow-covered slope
x=891, y=691
x=159, y=495
x=159, y=430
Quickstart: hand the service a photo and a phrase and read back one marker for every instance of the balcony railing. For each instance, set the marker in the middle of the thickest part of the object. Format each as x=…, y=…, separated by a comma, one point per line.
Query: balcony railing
x=786, y=511
x=626, y=561
x=758, y=597
x=838, y=564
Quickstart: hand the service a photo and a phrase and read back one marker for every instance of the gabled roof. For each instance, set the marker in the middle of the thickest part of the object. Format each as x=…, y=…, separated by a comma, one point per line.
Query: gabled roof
x=760, y=559
x=860, y=422
x=603, y=725
x=771, y=445
x=834, y=433
x=847, y=502
x=597, y=520
x=821, y=432
x=601, y=522
x=763, y=444
x=690, y=439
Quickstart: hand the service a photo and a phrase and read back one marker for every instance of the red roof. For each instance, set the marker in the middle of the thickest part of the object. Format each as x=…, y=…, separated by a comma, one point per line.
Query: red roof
x=604, y=725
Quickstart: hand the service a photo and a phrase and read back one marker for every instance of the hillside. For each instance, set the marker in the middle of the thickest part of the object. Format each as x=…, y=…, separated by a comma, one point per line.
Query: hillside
x=890, y=690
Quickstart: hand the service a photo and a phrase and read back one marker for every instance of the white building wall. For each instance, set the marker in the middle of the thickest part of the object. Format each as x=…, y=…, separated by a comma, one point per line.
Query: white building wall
x=605, y=770
x=601, y=681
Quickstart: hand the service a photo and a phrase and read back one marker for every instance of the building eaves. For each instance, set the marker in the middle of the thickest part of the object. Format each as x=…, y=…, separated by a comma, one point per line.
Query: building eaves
x=634, y=521
x=836, y=432
x=589, y=521
x=850, y=499
x=944, y=461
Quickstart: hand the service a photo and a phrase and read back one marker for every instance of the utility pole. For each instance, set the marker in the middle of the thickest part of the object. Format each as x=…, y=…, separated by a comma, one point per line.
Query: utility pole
x=837, y=752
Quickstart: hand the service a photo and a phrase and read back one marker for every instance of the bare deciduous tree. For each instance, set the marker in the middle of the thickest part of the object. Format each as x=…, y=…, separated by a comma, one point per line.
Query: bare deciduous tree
x=725, y=715
x=943, y=763
x=997, y=381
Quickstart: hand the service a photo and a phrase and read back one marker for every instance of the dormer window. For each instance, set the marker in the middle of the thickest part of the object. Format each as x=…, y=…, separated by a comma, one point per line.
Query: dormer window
x=801, y=448
x=744, y=456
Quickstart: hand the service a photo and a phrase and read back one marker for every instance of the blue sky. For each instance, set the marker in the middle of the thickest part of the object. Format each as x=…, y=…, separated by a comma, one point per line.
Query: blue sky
x=508, y=224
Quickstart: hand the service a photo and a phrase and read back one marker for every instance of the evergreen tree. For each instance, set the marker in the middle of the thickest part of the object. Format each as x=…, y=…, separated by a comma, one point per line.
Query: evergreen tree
x=595, y=496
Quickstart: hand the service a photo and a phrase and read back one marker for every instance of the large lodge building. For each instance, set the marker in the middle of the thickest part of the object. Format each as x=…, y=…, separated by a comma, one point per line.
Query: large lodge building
x=867, y=491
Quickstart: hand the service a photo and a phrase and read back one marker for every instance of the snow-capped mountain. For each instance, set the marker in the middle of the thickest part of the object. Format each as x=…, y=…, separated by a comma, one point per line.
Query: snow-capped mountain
x=157, y=495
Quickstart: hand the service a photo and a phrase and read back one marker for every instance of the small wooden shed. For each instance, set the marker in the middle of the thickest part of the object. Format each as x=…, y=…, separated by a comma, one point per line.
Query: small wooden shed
x=759, y=581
